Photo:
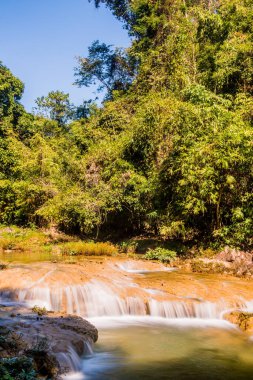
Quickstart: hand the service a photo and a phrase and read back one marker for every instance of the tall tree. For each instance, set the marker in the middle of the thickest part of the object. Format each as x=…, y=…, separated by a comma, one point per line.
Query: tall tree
x=56, y=106
x=11, y=90
x=112, y=69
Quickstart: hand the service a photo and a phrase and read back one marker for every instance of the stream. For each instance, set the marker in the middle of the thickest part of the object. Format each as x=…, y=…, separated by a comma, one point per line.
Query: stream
x=154, y=322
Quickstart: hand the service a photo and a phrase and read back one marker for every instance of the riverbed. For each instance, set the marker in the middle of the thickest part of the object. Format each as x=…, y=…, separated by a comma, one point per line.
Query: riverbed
x=154, y=322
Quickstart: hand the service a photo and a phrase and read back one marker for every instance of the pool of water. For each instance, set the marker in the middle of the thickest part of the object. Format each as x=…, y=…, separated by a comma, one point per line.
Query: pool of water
x=149, y=349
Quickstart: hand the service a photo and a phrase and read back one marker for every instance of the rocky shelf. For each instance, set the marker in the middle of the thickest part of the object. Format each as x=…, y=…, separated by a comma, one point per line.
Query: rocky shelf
x=48, y=345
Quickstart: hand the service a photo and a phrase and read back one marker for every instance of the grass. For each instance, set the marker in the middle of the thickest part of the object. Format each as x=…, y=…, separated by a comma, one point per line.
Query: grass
x=27, y=240
x=16, y=240
x=22, y=239
x=79, y=248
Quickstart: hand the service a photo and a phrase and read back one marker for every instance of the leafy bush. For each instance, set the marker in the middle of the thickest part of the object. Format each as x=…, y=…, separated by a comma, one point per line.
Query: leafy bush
x=128, y=246
x=39, y=310
x=161, y=254
x=17, y=368
x=88, y=248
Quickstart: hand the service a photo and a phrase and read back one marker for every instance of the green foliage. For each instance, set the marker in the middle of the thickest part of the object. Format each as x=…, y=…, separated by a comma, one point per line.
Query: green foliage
x=161, y=254
x=17, y=368
x=55, y=105
x=11, y=89
x=20, y=239
x=128, y=246
x=120, y=8
x=169, y=154
x=112, y=69
x=39, y=310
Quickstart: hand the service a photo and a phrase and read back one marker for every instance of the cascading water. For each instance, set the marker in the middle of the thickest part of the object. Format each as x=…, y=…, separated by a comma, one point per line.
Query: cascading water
x=141, y=329
x=97, y=299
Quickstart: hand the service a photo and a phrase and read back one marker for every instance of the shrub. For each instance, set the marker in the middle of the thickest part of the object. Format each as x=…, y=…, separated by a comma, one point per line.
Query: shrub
x=88, y=248
x=17, y=368
x=161, y=254
x=39, y=310
x=128, y=246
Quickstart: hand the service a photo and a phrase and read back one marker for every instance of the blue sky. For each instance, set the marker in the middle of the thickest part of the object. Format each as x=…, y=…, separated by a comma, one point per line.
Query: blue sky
x=39, y=40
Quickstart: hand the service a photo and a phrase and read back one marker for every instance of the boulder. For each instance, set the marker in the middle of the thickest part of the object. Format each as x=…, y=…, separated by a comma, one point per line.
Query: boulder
x=232, y=255
x=46, y=339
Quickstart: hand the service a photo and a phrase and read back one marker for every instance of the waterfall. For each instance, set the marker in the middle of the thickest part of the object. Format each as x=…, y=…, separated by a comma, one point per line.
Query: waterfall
x=71, y=364
x=69, y=360
x=95, y=299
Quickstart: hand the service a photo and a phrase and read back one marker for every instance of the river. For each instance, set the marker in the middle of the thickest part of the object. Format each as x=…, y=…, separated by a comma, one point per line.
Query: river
x=154, y=322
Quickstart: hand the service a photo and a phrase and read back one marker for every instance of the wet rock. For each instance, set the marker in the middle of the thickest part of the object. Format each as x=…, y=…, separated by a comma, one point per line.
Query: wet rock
x=230, y=261
x=74, y=324
x=241, y=318
x=44, y=340
x=208, y=266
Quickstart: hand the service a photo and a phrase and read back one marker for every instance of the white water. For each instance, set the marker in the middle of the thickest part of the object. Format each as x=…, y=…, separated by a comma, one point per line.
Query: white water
x=97, y=299
x=70, y=359
x=130, y=267
x=126, y=321
x=109, y=308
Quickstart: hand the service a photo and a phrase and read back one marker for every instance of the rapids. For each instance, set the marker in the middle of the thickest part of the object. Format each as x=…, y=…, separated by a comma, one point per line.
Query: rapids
x=154, y=322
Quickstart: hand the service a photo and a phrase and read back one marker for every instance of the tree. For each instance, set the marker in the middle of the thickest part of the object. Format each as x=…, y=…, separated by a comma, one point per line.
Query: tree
x=120, y=8
x=56, y=106
x=225, y=58
x=113, y=69
x=83, y=111
x=11, y=90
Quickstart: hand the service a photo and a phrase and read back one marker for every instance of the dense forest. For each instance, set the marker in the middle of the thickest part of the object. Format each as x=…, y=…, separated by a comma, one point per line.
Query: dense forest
x=169, y=152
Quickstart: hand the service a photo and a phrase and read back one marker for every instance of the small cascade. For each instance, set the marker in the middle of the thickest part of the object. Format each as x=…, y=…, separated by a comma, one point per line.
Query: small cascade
x=70, y=361
x=96, y=299
x=130, y=267
x=176, y=309
x=89, y=300
x=118, y=301
x=71, y=364
x=7, y=298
